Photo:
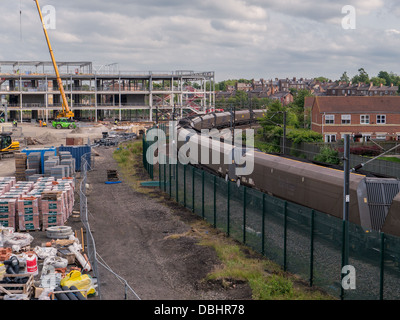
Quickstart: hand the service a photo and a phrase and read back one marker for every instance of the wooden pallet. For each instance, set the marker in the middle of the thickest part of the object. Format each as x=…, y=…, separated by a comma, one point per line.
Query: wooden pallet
x=112, y=175
x=17, y=288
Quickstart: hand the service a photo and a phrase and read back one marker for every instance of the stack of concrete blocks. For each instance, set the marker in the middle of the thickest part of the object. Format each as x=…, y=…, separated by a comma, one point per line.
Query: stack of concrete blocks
x=58, y=172
x=66, y=158
x=28, y=213
x=50, y=163
x=34, y=163
x=34, y=177
x=29, y=173
x=6, y=183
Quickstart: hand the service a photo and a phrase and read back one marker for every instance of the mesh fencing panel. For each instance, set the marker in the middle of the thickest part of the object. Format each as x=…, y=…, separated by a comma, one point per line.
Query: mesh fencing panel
x=303, y=241
x=298, y=239
x=254, y=219
x=327, y=253
x=274, y=229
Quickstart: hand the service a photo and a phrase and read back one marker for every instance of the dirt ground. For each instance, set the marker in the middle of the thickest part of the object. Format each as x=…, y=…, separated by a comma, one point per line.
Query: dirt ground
x=45, y=137
x=131, y=232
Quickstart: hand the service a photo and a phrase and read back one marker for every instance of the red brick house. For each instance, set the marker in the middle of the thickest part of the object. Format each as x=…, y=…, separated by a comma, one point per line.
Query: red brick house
x=376, y=117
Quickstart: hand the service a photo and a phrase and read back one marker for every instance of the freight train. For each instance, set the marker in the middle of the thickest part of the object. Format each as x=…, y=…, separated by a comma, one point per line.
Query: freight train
x=374, y=201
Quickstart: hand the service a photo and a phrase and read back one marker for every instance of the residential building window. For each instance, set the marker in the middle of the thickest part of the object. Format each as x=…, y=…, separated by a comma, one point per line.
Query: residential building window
x=366, y=137
x=346, y=119
x=333, y=91
x=381, y=137
x=330, y=119
x=381, y=119
x=364, y=119
x=330, y=138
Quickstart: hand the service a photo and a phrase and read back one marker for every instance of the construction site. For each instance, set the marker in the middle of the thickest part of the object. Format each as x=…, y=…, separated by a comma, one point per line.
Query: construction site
x=29, y=90
x=61, y=123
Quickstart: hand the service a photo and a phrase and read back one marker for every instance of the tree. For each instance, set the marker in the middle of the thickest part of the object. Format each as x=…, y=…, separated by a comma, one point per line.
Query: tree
x=297, y=107
x=344, y=77
x=322, y=79
x=361, y=77
x=391, y=78
x=378, y=81
x=273, y=117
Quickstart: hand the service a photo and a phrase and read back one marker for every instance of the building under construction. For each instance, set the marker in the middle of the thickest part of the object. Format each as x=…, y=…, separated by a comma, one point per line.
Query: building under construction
x=29, y=90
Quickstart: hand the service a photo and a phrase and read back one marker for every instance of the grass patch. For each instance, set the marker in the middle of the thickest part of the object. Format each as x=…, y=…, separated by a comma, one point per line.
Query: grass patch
x=129, y=158
x=391, y=159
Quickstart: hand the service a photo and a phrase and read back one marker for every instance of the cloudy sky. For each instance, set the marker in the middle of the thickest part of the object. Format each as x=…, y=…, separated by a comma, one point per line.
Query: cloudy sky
x=235, y=38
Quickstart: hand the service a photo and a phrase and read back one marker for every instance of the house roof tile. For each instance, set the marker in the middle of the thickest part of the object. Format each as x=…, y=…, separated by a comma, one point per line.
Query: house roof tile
x=355, y=104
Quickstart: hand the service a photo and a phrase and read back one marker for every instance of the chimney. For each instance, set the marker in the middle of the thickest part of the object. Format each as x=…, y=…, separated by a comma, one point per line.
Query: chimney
x=381, y=85
x=391, y=85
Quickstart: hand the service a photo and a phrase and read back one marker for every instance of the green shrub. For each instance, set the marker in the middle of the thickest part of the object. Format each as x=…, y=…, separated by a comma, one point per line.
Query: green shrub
x=328, y=155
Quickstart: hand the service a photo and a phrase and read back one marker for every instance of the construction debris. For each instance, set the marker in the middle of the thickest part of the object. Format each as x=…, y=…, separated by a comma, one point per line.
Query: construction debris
x=114, y=138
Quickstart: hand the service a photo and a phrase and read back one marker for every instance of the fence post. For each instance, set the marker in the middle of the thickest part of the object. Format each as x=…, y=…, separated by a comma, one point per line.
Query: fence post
x=382, y=266
x=263, y=225
x=285, y=237
x=184, y=185
x=202, y=194
x=215, y=201
x=165, y=177
x=228, y=209
x=344, y=228
x=159, y=174
x=312, y=248
x=244, y=214
x=170, y=179
x=193, y=189
x=176, y=182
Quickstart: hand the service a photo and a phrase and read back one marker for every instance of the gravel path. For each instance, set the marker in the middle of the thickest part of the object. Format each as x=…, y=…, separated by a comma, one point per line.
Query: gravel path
x=131, y=229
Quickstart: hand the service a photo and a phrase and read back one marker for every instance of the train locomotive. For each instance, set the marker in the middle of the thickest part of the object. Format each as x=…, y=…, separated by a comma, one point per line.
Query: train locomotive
x=374, y=201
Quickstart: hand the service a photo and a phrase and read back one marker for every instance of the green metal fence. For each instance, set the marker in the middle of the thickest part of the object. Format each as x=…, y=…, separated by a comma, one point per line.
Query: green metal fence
x=303, y=241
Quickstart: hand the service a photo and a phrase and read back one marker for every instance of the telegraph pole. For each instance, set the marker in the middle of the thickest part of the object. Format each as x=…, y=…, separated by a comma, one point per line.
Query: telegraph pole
x=346, y=203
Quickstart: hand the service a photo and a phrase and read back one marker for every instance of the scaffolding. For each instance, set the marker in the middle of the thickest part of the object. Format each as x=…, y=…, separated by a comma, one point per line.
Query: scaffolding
x=30, y=91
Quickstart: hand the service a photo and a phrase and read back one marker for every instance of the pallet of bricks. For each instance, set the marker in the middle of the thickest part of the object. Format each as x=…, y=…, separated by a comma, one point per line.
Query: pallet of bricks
x=7, y=206
x=28, y=210
x=26, y=214
x=66, y=185
x=53, y=209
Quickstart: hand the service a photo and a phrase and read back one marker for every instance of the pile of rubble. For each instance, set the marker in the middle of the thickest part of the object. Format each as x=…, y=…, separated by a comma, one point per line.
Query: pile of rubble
x=114, y=138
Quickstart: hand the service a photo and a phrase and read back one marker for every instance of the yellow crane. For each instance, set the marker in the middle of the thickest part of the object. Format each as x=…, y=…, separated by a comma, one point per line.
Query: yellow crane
x=65, y=112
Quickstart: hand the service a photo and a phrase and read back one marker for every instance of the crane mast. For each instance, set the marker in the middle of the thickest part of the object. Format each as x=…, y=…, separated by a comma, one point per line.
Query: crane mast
x=65, y=109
